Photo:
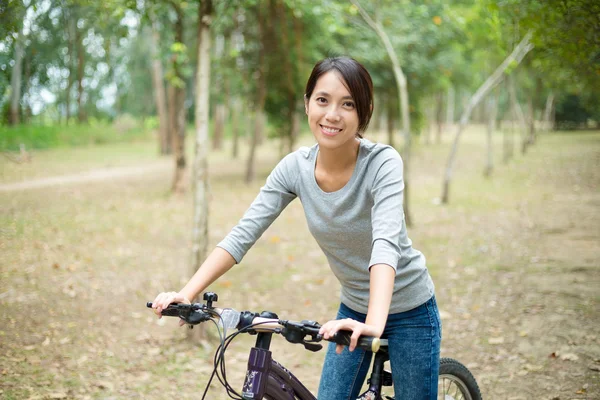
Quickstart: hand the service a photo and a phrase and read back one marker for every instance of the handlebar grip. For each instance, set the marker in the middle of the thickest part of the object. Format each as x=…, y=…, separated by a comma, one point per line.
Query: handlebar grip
x=368, y=343
x=173, y=310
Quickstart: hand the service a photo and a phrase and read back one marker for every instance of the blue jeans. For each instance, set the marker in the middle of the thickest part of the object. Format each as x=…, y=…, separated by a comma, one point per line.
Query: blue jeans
x=414, y=345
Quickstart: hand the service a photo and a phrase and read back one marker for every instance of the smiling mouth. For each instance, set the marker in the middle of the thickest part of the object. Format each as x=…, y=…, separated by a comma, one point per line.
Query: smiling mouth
x=329, y=130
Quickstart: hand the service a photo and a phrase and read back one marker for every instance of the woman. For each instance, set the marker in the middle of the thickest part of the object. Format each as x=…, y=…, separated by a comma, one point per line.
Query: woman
x=351, y=191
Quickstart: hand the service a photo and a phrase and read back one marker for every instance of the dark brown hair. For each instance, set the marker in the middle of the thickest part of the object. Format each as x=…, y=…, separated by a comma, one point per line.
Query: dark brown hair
x=357, y=80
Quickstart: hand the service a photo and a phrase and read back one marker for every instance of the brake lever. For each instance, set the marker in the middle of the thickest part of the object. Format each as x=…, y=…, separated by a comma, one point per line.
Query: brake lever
x=314, y=347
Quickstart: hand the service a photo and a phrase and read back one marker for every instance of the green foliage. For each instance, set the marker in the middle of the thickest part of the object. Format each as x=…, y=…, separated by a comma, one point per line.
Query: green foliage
x=44, y=137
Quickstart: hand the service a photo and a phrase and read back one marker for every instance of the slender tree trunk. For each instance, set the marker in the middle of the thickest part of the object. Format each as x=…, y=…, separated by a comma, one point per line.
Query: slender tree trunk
x=439, y=113
x=235, y=127
x=492, y=109
x=72, y=35
x=404, y=110
x=391, y=118
x=200, y=180
x=533, y=100
x=518, y=112
x=159, y=90
x=261, y=96
x=517, y=55
x=15, y=81
x=81, y=114
x=179, y=183
x=282, y=19
x=450, y=108
x=219, y=127
x=178, y=111
x=548, y=112
x=172, y=117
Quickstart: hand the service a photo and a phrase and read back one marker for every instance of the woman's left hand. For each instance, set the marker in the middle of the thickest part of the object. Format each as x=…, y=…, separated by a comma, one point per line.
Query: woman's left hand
x=358, y=329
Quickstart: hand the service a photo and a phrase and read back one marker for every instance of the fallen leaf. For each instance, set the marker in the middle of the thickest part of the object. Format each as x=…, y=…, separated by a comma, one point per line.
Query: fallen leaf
x=496, y=340
x=56, y=266
x=153, y=351
x=225, y=284
x=46, y=342
x=594, y=367
x=275, y=239
x=569, y=357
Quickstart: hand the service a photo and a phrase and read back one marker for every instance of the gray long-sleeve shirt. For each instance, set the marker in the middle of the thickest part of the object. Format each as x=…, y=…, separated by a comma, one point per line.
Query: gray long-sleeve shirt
x=358, y=226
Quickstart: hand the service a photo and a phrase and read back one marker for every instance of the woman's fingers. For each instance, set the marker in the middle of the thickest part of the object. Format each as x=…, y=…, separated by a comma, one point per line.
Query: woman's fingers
x=163, y=300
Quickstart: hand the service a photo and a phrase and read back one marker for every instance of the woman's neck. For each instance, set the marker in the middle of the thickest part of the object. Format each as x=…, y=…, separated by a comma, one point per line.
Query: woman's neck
x=340, y=159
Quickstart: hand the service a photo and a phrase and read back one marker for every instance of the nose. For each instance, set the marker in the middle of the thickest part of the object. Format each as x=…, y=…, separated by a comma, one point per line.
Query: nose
x=332, y=115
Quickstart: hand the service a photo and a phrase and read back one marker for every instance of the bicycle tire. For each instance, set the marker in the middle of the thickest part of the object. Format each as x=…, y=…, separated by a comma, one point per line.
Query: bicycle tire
x=456, y=382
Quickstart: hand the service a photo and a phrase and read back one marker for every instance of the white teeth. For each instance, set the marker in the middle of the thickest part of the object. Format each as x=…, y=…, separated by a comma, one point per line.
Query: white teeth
x=330, y=130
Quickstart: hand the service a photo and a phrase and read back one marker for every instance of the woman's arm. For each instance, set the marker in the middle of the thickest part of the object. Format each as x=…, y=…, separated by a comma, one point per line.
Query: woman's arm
x=381, y=288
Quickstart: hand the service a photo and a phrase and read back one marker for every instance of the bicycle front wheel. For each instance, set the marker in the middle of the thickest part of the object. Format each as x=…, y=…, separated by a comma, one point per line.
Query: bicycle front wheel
x=456, y=382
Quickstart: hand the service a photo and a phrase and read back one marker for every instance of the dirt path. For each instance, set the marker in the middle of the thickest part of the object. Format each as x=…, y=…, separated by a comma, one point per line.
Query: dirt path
x=95, y=175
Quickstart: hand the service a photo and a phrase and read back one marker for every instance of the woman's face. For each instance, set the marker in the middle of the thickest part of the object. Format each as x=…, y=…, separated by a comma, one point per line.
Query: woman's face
x=331, y=111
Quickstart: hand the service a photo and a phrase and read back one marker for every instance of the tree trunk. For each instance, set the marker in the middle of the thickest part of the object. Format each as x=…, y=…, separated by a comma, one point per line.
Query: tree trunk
x=159, y=90
x=178, y=111
x=429, y=116
x=72, y=35
x=179, y=183
x=548, y=112
x=404, y=110
x=261, y=96
x=518, y=113
x=391, y=117
x=235, y=127
x=439, y=112
x=81, y=115
x=288, y=68
x=516, y=56
x=219, y=127
x=450, y=108
x=492, y=109
x=172, y=118
x=15, y=81
x=200, y=181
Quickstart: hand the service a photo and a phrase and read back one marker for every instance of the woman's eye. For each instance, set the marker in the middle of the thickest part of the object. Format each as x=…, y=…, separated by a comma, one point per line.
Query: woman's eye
x=321, y=100
x=349, y=104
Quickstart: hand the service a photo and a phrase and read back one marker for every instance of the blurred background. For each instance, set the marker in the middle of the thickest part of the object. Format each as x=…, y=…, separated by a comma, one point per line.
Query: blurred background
x=134, y=134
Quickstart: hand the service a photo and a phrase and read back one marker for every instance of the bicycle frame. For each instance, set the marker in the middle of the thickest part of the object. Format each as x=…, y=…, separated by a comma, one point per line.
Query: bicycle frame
x=265, y=372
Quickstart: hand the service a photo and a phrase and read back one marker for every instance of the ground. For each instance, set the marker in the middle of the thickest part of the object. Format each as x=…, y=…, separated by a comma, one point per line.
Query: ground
x=515, y=259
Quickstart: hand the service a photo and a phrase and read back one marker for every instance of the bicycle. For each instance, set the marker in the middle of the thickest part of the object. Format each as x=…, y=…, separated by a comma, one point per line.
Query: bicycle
x=267, y=379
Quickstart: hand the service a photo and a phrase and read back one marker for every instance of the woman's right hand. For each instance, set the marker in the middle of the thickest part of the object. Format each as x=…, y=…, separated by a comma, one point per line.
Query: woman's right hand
x=163, y=300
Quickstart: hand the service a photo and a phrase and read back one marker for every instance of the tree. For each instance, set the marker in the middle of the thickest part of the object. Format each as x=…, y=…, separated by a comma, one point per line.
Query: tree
x=513, y=59
x=200, y=174
x=403, y=100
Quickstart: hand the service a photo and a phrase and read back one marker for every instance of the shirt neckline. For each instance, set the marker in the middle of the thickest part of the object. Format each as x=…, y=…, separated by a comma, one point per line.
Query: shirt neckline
x=348, y=184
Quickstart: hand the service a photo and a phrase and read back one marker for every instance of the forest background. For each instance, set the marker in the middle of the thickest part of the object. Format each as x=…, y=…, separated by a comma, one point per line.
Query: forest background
x=118, y=116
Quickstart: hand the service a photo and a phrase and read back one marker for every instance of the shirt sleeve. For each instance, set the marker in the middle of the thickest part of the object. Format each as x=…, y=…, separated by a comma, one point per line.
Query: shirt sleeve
x=273, y=197
x=387, y=214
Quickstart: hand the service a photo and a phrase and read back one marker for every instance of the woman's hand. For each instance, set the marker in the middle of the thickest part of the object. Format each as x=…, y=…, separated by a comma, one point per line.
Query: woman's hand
x=163, y=300
x=358, y=329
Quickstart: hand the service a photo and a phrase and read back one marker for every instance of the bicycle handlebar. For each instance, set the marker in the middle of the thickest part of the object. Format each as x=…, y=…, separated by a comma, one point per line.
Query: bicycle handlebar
x=294, y=332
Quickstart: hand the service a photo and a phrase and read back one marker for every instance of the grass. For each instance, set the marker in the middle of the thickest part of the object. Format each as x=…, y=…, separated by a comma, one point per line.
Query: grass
x=37, y=137
x=78, y=262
